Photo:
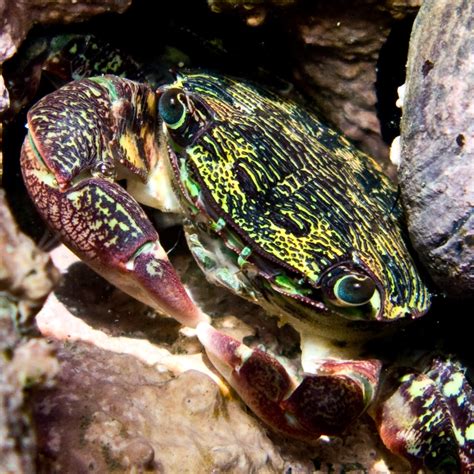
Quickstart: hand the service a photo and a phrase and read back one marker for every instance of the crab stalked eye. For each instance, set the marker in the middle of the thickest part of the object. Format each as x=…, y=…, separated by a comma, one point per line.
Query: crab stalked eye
x=184, y=115
x=172, y=108
x=354, y=290
x=348, y=289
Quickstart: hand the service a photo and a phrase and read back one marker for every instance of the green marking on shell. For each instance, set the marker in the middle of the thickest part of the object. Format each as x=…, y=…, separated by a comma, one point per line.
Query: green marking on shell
x=219, y=225
x=243, y=256
x=204, y=258
x=290, y=286
x=192, y=186
x=109, y=85
x=35, y=150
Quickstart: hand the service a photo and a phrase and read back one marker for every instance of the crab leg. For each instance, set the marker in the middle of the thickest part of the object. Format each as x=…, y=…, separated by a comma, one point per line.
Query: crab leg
x=325, y=402
x=81, y=139
x=429, y=419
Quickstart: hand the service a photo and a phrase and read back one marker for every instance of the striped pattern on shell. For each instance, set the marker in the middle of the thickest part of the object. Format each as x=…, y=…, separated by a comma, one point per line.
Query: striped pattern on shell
x=298, y=192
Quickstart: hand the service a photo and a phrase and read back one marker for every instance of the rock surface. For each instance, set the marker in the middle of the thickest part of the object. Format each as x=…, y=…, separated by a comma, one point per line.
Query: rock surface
x=17, y=18
x=26, y=276
x=132, y=416
x=254, y=13
x=437, y=143
x=25, y=272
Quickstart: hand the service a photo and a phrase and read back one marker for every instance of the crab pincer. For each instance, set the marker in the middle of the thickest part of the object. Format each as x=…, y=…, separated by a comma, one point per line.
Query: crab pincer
x=325, y=402
x=82, y=139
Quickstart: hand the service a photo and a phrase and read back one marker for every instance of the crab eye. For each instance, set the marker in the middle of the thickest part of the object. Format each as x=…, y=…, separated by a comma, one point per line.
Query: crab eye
x=349, y=289
x=171, y=108
x=354, y=290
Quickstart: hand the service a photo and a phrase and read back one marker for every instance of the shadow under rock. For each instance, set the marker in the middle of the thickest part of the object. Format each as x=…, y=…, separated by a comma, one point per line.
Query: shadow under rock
x=101, y=305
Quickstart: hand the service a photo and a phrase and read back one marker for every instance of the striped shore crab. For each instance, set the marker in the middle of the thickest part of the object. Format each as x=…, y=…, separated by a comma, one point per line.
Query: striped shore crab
x=276, y=207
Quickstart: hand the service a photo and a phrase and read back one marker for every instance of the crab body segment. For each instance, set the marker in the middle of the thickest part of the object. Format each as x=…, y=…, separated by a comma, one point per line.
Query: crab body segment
x=276, y=207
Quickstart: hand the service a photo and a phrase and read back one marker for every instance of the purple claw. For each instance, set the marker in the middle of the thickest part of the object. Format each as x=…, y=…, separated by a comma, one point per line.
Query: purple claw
x=322, y=403
x=80, y=138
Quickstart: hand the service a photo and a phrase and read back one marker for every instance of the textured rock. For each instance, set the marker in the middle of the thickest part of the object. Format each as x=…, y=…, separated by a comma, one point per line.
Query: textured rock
x=25, y=279
x=17, y=18
x=129, y=415
x=437, y=143
x=25, y=272
x=23, y=365
x=254, y=12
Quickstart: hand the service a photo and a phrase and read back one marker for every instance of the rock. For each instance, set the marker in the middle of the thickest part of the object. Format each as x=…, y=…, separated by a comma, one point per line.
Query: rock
x=25, y=279
x=17, y=18
x=23, y=365
x=25, y=272
x=254, y=13
x=437, y=144
x=109, y=411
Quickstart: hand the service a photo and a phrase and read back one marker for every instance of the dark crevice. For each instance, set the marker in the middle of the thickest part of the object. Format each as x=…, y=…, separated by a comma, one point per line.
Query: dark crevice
x=390, y=76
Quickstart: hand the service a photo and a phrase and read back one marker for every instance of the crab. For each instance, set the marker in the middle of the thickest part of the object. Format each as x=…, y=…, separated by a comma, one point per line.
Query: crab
x=276, y=207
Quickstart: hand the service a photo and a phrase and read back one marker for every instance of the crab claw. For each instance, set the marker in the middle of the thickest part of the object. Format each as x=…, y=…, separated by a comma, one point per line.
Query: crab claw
x=322, y=403
x=80, y=138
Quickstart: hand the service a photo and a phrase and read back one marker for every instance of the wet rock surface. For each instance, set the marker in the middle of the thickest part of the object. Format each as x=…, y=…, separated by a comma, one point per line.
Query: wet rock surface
x=254, y=13
x=437, y=144
x=25, y=272
x=130, y=415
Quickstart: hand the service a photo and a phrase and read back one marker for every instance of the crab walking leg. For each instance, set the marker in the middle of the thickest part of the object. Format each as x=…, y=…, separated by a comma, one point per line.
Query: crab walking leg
x=78, y=138
x=429, y=419
x=326, y=402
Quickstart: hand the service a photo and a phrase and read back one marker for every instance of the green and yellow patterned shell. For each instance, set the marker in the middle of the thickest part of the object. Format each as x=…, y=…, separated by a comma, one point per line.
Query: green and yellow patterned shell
x=301, y=198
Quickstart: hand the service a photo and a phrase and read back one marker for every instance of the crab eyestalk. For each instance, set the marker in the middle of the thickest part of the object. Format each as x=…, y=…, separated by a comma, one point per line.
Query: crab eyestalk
x=81, y=139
